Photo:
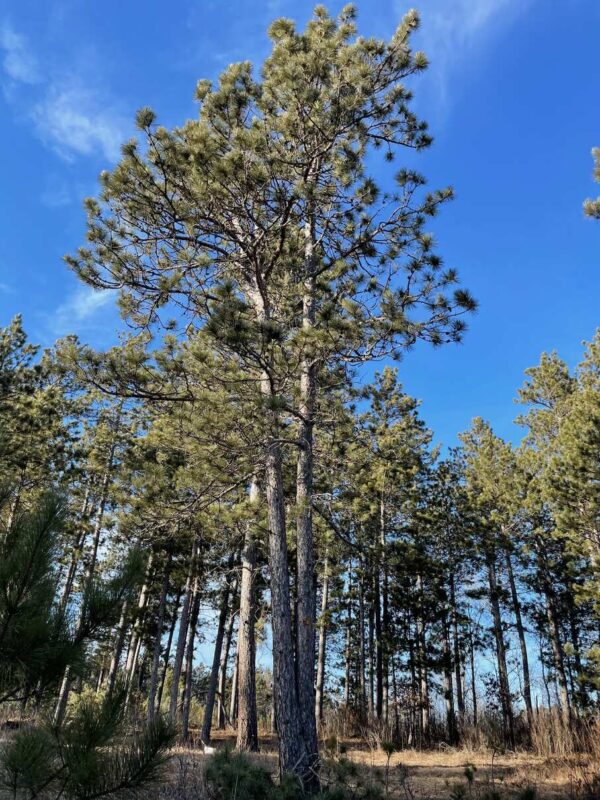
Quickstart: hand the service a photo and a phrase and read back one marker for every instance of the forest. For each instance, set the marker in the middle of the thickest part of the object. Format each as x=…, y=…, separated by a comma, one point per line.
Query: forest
x=232, y=532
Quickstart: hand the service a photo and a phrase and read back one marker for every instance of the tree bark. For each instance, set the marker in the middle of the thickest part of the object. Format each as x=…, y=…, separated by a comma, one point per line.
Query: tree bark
x=322, y=641
x=168, y=646
x=65, y=689
x=306, y=581
x=460, y=698
x=214, y=673
x=222, y=681
x=160, y=621
x=448, y=690
x=505, y=699
x=186, y=700
x=247, y=722
x=516, y=603
x=182, y=634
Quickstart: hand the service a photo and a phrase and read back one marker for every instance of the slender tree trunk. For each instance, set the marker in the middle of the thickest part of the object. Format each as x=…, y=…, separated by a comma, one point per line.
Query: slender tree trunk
x=448, y=691
x=422, y=657
x=362, y=661
x=65, y=689
x=385, y=618
x=305, y=557
x=505, y=699
x=113, y=669
x=76, y=552
x=522, y=642
x=378, y=642
x=214, y=673
x=168, y=646
x=160, y=621
x=186, y=700
x=558, y=658
x=135, y=640
x=293, y=753
x=473, y=677
x=348, y=654
x=371, y=651
x=191, y=580
x=234, y=698
x=247, y=722
x=460, y=698
x=580, y=689
x=322, y=641
x=222, y=681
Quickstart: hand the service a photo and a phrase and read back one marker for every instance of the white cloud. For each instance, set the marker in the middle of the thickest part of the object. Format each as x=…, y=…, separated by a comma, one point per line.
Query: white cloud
x=70, y=117
x=80, y=310
x=72, y=121
x=454, y=31
x=18, y=62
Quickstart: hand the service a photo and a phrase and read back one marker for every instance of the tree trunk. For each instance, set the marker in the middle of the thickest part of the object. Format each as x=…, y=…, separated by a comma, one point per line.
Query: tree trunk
x=293, y=753
x=186, y=700
x=473, y=676
x=558, y=658
x=168, y=646
x=63, y=697
x=322, y=641
x=378, y=641
x=183, y=629
x=460, y=698
x=362, y=662
x=385, y=618
x=135, y=639
x=234, y=698
x=505, y=699
x=118, y=647
x=214, y=673
x=422, y=660
x=222, y=681
x=247, y=722
x=305, y=587
x=522, y=642
x=160, y=621
x=448, y=691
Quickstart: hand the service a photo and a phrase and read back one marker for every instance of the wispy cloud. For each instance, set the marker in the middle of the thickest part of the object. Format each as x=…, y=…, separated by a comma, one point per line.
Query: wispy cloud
x=73, y=122
x=454, y=32
x=71, y=117
x=81, y=310
x=18, y=61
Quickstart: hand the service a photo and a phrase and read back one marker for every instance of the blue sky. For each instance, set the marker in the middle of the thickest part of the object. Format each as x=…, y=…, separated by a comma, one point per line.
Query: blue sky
x=512, y=100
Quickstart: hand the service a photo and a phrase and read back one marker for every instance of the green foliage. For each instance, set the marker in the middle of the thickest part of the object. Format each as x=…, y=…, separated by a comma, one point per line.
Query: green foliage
x=92, y=755
x=35, y=645
x=230, y=776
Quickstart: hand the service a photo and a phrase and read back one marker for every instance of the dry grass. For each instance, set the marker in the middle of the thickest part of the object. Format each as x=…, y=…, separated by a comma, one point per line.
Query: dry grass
x=431, y=775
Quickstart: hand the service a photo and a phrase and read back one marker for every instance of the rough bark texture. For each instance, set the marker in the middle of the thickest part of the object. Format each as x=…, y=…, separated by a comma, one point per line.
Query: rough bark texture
x=293, y=754
x=505, y=699
x=516, y=603
x=222, y=682
x=322, y=642
x=306, y=581
x=160, y=621
x=186, y=699
x=247, y=723
x=65, y=689
x=182, y=635
x=214, y=673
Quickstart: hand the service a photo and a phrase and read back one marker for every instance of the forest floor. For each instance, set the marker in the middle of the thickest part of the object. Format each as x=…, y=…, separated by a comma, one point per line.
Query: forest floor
x=441, y=774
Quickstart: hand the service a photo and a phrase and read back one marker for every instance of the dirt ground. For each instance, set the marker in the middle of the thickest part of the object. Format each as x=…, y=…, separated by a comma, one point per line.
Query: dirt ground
x=434, y=775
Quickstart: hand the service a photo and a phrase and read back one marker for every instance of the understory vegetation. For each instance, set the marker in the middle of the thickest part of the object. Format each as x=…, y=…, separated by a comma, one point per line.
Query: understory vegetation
x=230, y=528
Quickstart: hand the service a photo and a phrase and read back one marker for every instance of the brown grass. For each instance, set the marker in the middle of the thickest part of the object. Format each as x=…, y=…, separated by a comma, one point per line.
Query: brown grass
x=431, y=775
